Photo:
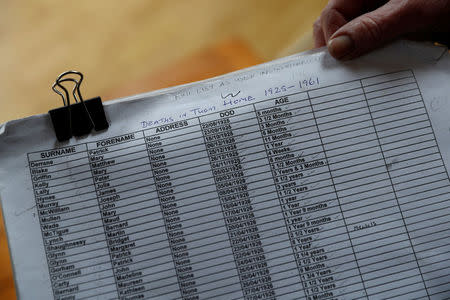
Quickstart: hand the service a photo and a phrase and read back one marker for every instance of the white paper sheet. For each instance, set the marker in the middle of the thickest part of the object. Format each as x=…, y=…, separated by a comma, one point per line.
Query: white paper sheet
x=304, y=178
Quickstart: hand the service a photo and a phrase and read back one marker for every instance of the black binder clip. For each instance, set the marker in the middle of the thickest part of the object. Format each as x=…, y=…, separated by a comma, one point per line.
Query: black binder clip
x=79, y=118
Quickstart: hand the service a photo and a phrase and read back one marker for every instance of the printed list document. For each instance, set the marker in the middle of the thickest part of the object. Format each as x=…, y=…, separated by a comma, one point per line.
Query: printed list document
x=303, y=178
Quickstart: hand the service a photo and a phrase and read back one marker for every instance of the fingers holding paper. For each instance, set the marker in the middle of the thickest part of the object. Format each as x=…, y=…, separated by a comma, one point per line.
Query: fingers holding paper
x=351, y=28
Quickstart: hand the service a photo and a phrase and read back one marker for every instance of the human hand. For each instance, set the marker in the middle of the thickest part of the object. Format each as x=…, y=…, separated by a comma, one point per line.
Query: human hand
x=351, y=28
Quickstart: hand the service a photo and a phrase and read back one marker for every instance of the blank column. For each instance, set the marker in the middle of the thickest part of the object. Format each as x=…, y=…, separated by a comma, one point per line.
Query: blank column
x=384, y=255
x=416, y=169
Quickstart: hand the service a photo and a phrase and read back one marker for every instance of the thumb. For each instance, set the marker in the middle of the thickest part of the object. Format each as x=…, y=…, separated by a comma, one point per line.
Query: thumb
x=372, y=30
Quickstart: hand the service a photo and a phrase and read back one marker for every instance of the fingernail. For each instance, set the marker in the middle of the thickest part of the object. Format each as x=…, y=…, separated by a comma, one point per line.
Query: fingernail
x=341, y=46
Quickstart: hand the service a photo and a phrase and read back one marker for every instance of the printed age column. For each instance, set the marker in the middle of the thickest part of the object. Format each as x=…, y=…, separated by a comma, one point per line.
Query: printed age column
x=307, y=198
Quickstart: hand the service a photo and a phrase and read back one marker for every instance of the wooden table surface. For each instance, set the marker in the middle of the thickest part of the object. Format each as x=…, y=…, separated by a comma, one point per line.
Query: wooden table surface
x=139, y=46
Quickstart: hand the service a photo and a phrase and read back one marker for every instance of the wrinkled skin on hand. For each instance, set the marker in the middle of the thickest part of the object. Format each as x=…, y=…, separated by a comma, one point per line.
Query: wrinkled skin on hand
x=351, y=28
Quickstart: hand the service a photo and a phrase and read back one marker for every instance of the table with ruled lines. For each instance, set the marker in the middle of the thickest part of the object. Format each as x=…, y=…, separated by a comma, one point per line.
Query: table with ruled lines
x=339, y=192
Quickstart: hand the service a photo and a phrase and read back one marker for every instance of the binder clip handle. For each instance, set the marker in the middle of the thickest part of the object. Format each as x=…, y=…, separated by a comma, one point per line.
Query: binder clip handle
x=76, y=87
x=79, y=118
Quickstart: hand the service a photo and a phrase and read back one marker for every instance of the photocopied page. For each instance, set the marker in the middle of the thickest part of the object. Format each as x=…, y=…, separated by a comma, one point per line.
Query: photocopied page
x=303, y=178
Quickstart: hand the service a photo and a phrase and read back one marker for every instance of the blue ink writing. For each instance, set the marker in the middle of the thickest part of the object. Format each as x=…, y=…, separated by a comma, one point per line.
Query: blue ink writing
x=163, y=120
x=202, y=110
x=230, y=94
x=313, y=81
x=278, y=89
x=237, y=101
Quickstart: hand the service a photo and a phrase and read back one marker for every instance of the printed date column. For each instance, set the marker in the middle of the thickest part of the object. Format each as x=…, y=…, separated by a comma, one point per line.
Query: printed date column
x=224, y=146
x=71, y=224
